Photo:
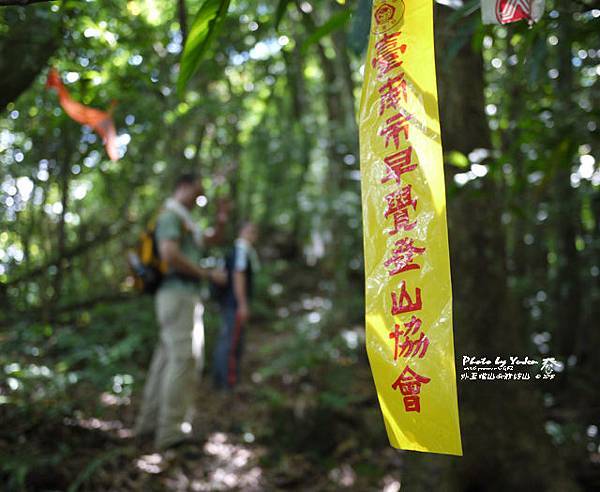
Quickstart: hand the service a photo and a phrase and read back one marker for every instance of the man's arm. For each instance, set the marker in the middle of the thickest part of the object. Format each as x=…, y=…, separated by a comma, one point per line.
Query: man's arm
x=169, y=251
x=241, y=294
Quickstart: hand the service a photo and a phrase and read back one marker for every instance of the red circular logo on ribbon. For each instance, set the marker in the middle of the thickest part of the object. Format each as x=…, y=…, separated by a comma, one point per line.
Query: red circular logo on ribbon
x=387, y=14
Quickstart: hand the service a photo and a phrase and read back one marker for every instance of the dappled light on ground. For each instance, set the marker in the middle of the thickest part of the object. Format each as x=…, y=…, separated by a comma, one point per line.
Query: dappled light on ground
x=268, y=435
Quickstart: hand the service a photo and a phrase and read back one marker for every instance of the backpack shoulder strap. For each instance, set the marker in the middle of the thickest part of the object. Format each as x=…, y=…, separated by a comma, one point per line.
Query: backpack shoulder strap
x=230, y=259
x=151, y=226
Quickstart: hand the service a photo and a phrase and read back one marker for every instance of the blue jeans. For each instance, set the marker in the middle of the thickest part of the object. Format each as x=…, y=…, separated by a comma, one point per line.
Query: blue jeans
x=228, y=351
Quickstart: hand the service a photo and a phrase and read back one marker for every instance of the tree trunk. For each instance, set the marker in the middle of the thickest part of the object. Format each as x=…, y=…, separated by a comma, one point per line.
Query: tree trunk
x=567, y=222
x=502, y=422
x=182, y=14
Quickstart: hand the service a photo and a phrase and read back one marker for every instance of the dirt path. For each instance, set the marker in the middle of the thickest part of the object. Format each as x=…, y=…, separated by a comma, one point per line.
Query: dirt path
x=304, y=417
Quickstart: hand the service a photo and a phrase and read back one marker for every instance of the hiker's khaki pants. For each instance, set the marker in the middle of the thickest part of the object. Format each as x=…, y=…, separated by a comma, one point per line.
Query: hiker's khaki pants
x=176, y=367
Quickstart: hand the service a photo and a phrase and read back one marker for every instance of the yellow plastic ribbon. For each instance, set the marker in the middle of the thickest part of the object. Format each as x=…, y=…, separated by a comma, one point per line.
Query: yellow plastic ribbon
x=408, y=290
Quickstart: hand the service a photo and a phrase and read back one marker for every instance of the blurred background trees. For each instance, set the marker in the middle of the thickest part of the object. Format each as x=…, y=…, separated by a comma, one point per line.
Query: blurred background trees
x=269, y=120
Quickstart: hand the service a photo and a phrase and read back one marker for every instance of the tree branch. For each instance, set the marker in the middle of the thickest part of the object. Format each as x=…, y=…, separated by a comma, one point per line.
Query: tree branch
x=22, y=3
x=74, y=307
x=182, y=20
x=107, y=234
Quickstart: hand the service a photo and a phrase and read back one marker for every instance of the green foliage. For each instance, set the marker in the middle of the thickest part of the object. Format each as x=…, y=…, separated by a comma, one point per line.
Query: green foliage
x=53, y=373
x=280, y=12
x=205, y=28
x=269, y=121
x=358, y=35
x=88, y=472
x=336, y=22
x=457, y=159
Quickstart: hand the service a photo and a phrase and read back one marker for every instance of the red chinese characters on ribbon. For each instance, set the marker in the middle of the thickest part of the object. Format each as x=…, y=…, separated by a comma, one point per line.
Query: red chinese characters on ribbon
x=408, y=338
x=409, y=383
x=409, y=346
x=403, y=257
x=403, y=303
x=398, y=164
x=391, y=93
x=387, y=54
x=399, y=204
x=396, y=125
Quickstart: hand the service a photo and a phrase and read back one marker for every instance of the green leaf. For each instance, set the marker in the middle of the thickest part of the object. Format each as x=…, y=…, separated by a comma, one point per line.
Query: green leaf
x=358, y=37
x=457, y=159
x=204, y=29
x=336, y=22
x=462, y=12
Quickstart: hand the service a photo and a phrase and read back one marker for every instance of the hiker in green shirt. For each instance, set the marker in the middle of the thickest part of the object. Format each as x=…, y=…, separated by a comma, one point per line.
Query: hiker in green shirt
x=179, y=356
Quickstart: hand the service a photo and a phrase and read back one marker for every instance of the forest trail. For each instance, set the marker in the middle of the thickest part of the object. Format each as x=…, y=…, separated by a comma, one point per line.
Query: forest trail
x=275, y=432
